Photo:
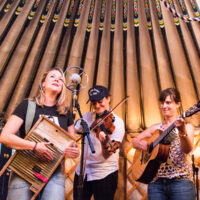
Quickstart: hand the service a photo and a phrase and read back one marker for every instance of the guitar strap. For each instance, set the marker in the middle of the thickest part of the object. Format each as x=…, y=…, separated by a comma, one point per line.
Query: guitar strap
x=30, y=113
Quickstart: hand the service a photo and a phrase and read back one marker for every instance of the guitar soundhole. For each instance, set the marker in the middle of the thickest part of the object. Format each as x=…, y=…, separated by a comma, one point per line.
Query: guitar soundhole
x=145, y=157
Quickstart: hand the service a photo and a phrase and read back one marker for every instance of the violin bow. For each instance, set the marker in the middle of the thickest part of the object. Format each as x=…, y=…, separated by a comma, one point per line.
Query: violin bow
x=110, y=111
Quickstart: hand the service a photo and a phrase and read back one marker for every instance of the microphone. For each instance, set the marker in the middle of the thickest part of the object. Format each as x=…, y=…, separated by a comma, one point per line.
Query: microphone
x=75, y=80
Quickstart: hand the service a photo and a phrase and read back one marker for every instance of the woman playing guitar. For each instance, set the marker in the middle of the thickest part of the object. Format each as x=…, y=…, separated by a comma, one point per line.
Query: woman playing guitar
x=173, y=180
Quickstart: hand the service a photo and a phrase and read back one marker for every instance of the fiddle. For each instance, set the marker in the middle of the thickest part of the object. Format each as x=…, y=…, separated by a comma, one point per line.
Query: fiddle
x=106, y=126
x=110, y=146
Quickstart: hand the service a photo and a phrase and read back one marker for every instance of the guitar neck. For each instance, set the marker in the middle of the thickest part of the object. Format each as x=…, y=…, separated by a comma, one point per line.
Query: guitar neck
x=163, y=135
x=191, y=111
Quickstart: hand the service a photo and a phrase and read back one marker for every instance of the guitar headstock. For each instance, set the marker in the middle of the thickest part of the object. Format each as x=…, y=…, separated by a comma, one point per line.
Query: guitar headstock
x=192, y=110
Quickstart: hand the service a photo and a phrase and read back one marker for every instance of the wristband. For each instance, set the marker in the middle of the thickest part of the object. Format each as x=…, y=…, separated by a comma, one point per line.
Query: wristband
x=34, y=146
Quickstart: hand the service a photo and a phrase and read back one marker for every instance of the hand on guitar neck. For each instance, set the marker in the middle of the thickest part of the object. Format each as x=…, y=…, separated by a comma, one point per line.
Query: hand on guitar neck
x=180, y=125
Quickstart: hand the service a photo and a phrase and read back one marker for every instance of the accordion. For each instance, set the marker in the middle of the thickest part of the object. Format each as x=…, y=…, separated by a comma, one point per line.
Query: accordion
x=29, y=166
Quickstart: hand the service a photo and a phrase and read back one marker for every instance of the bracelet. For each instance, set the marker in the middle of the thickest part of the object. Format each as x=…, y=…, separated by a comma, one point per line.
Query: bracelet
x=183, y=136
x=34, y=146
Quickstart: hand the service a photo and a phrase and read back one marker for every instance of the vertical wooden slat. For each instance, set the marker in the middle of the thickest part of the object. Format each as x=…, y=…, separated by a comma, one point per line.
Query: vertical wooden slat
x=193, y=56
x=78, y=42
x=195, y=25
x=61, y=58
x=13, y=69
x=7, y=17
x=148, y=74
x=117, y=88
x=31, y=65
x=90, y=60
x=11, y=39
x=2, y=3
x=164, y=72
x=133, y=119
x=19, y=56
x=51, y=49
x=117, y=84
x=79, y=39
x=16, y=63
x=104, y=55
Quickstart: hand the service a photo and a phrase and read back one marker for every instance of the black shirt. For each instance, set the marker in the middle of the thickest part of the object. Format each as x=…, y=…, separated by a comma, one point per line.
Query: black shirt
x=49, y=111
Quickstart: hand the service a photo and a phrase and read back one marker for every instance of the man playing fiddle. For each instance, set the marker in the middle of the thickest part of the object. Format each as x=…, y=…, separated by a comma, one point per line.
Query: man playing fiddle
x=101, y=169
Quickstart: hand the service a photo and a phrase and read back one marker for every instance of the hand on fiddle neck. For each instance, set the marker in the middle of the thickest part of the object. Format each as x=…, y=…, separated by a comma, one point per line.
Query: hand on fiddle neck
x=105, y=141
x=102, y=136
x=108, y=147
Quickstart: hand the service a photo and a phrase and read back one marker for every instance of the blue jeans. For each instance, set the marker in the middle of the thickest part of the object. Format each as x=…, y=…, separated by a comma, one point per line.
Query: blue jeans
x=18, y=188
x=171, y=189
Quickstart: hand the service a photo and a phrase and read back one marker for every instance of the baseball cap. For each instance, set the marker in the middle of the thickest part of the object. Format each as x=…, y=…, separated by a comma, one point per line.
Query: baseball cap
x=97, y=93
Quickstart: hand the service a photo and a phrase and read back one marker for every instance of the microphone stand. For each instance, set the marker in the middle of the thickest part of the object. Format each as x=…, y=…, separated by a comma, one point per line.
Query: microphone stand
x=74, y=99
x=195, y=176
x=86, y=132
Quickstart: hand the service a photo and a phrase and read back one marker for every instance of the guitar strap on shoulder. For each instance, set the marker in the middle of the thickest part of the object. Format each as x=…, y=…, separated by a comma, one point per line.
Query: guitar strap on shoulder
x=30, y=113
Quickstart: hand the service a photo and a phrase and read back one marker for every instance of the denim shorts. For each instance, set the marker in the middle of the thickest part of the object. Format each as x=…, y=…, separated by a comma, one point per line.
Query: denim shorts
x=18, y=188
x=171, y=189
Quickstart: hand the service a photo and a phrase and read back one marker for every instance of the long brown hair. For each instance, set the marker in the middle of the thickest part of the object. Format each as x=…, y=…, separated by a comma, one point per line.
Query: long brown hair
x=61, y=103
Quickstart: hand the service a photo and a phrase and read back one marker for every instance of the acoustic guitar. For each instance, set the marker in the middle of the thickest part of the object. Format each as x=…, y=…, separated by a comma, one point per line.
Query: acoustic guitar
x=146, y=163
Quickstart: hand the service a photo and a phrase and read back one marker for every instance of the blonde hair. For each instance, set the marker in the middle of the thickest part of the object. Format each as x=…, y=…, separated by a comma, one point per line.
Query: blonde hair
x=61, y=103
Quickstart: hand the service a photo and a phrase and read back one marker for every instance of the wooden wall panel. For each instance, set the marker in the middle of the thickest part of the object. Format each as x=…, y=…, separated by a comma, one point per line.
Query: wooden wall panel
x=194, y=24
x=149, y=82
x=165, y=77
x=13, y=35
x=13, y=69
x=50, y=53
x=79, y=38
x=104, y=54
x=90, y=59
x=2, y=3
x=65, y=46
x=179, y=61
x=117, y=88
x=131, y=59
x=30, y=67
x=162, y=56
x=19, y=56
x=191, y=52
x=6, y=18
x=133, y=109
